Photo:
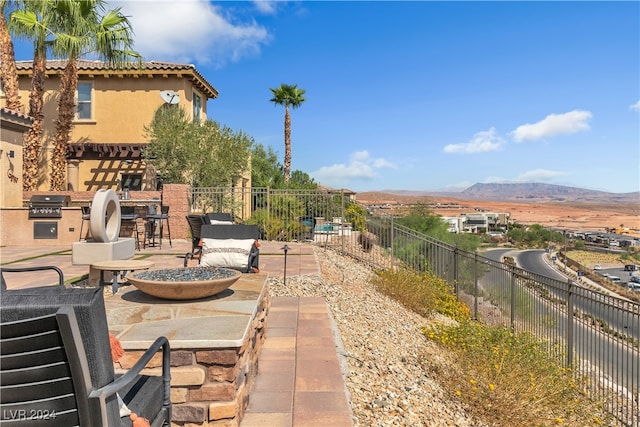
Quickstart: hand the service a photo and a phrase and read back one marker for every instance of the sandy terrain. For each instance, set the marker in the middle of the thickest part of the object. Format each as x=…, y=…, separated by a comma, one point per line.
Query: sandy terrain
x=574, y=216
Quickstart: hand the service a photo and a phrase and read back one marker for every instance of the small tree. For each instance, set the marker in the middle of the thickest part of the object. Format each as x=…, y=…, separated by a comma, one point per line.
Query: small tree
x=266, y=171
x=186, y=152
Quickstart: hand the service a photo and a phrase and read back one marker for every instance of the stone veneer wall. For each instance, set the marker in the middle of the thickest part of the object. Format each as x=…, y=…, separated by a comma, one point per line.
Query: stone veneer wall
x=210, y=387
x=177, y=197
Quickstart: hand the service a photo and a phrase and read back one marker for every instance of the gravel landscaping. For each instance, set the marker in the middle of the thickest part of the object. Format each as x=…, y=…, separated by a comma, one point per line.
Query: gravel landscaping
x=388, y=362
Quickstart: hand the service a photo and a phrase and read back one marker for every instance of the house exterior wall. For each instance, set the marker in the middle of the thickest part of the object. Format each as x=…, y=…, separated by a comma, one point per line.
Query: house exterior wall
x=12, y=128
x=122, y=105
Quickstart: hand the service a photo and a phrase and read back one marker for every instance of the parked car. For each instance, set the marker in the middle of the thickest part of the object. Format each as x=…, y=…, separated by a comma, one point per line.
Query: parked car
x=615, y=279
x=630, y=267
x=597, y=267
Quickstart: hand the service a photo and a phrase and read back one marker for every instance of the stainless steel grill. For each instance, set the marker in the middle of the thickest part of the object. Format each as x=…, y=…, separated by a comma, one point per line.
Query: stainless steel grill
x=47, y=206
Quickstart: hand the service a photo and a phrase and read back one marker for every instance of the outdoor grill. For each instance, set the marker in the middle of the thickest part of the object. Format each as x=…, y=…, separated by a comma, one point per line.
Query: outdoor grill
x=47, y=206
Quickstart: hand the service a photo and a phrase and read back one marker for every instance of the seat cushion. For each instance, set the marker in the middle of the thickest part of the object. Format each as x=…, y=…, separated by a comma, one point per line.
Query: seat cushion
x=229, y=253
x=143, y=397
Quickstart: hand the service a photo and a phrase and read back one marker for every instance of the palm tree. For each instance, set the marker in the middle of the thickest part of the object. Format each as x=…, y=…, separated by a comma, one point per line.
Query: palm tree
x=287, y=95
x=36, y=22
x=8, y=62
x=83, y=31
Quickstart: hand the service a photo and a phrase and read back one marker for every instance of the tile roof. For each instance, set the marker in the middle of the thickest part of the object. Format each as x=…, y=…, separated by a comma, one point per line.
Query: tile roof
x=132, y=67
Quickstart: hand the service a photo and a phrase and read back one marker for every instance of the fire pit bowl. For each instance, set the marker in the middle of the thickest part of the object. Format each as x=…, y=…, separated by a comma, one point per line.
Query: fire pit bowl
x=184, y=283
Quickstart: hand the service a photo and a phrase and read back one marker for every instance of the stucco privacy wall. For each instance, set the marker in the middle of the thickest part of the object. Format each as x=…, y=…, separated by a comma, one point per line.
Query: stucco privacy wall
x=21, y=229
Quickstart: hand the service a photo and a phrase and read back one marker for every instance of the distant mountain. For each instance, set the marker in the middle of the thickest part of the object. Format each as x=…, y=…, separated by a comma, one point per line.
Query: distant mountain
x=527, y=192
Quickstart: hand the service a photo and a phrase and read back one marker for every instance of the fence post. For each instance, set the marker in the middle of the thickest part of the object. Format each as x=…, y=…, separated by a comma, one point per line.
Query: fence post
x=512, y=269
x=392, y=238
x=475, y=287
x=455, y=272
x=342, y=219
x=268, y=208
x=570, y=323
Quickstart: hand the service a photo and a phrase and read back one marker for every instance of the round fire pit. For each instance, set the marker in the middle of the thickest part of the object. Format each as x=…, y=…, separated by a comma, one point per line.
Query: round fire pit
x=184, y=283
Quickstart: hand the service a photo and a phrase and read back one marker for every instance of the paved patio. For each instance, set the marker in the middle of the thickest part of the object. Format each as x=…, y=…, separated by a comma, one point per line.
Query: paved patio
x=299, y=382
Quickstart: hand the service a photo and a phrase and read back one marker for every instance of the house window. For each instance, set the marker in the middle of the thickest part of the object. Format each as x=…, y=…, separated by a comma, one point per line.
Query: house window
x=132, y=181
x=85, y=92
x=196, y=107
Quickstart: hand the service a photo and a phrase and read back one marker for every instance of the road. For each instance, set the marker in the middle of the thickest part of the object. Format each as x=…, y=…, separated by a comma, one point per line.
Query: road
x=620, y=362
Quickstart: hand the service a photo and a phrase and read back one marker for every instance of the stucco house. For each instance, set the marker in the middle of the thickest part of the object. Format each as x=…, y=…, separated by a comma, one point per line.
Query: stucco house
x=13, y=124
x=114, y=105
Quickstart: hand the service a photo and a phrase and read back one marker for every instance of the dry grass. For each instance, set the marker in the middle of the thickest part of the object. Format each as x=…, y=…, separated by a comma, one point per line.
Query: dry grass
x=501, y=378
x=511, y=380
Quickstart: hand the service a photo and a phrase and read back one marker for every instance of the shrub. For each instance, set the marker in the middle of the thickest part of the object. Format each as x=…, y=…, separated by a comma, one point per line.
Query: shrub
x=422, y=293
x=511, y=379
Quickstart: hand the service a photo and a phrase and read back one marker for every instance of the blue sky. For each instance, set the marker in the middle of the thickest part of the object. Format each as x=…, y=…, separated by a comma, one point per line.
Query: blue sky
x=420, y=95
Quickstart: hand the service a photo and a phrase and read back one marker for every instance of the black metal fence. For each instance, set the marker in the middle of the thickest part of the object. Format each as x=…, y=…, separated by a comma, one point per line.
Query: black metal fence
x=596, y=335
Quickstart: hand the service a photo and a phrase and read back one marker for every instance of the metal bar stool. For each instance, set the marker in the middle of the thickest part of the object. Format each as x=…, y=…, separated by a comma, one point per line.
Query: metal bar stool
x=128, y=214
x=155, y=222
x=86, y=216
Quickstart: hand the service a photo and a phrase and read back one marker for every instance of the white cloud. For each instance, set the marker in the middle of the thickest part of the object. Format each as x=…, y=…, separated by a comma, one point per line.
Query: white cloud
x=535, y=175
x=635, y=107
x=552, y=125
x=266, y=7
x=538, y=175
x=482, y=142
x=190, y=31
x=360, y=167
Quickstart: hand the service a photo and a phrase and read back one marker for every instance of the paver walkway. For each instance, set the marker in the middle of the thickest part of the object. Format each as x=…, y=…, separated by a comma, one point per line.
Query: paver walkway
x=300, y=381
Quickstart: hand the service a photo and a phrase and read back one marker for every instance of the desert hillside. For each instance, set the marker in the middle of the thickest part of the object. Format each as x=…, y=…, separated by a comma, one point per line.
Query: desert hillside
x=570, y=215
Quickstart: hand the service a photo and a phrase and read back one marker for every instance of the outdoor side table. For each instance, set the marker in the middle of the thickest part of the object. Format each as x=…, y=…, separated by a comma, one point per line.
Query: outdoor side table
x=120, y=265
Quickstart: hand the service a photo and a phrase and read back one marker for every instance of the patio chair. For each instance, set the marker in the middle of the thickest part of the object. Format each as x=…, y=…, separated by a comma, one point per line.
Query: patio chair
x=86, y=217
x=129, y=216
x=195, y=224
x=233, y=246
x=218, y=218
x=57, y=368
x=3, y=283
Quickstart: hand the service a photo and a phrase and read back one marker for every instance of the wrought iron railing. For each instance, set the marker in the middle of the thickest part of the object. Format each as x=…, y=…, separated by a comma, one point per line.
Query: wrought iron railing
x=594, y=334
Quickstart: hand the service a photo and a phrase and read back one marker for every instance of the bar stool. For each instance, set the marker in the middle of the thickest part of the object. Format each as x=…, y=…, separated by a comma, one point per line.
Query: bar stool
x=128, y=214
x=155, y=222
x=164, y=216
x=86, y=216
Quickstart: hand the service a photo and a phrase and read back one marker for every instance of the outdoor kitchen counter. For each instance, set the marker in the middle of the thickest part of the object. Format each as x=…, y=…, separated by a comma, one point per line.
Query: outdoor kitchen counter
x=222, y=320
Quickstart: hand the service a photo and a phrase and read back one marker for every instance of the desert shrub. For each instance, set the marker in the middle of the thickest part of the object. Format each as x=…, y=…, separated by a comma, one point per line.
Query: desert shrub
x=509, y=379
x=422, y=293
x=356, y=215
